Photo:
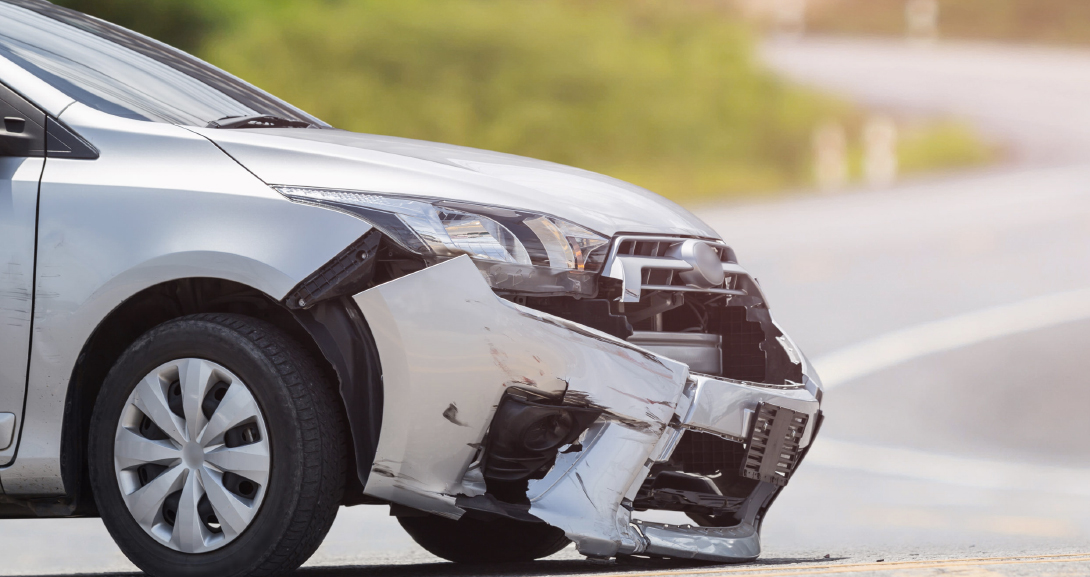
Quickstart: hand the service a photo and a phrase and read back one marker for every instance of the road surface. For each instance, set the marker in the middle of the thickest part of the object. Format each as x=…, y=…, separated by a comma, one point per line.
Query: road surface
x=949, y=315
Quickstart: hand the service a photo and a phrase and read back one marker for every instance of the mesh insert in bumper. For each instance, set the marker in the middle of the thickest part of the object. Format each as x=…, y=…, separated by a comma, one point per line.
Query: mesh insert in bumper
x=774, y=444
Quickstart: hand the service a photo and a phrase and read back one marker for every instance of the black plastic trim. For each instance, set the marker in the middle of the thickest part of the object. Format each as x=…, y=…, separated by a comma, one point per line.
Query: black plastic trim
x=819, y=419
x=49, y=137
x=62, y=142
x=345, y=274
x=340, y=331
x=29, y=139
x=507, y=457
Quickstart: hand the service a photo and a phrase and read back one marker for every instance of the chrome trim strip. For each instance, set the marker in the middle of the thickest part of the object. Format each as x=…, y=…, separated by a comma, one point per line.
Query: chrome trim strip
x=629, y=268
x=689, y=289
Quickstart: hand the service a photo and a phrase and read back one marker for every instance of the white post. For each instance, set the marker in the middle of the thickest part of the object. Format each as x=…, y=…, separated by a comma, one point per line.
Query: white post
x=790, y=16
x=880, y=151
x=830, y=157
x=922, y=19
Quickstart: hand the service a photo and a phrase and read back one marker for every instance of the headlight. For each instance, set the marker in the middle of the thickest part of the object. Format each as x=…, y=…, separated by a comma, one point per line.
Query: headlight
x=515, y=250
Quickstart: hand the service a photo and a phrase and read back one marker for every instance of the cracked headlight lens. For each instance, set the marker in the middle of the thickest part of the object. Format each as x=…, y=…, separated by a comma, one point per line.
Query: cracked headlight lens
x=515, y=250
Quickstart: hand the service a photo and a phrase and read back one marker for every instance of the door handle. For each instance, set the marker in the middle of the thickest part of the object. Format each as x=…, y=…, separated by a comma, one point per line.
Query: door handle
x=14, y=124
x=13, y=141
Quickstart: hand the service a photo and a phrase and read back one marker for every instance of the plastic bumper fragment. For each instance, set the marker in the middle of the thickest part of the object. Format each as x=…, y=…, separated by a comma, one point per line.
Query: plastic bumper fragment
x=450, y=348
x=741, y=542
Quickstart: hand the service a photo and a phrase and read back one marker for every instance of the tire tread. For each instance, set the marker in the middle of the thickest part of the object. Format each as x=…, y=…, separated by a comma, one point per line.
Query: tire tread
x=322, y=434
x=322, y=430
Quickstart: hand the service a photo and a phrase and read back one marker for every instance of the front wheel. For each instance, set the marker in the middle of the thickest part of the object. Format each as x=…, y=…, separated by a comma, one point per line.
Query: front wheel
x=217, y=448
x=474, y=541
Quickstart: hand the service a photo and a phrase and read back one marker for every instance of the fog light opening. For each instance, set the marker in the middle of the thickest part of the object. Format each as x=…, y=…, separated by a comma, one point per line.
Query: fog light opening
x=549, y=432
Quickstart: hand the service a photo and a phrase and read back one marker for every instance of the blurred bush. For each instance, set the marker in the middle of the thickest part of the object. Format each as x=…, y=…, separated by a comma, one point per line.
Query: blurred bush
x=941, y=146
x=665, y=94
x=180, y=23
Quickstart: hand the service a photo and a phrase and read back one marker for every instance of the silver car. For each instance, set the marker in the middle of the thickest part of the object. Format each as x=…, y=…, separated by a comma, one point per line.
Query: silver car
x=224, y=319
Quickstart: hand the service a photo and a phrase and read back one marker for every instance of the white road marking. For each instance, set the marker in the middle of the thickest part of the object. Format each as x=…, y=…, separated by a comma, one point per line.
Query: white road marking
x=948, y=469
x=894, y=348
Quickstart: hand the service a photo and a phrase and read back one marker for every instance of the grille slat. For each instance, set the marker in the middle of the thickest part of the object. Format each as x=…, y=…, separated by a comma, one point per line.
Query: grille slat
x=634, y=261
x=774, y=444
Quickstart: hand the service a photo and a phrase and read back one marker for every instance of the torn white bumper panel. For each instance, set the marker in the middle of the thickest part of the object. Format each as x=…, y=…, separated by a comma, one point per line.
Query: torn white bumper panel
x=450, y=351
x=741, y=542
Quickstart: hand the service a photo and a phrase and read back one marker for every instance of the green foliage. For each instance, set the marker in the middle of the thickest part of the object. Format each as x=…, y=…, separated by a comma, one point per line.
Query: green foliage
x=664, y=95
x=941, y=146
x=180, y=23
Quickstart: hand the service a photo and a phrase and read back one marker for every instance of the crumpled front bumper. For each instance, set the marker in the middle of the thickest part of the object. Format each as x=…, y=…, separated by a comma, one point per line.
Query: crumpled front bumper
x=450, y=349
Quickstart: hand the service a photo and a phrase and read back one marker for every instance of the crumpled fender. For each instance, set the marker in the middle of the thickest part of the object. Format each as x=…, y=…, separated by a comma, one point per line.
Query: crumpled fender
x=450, y=348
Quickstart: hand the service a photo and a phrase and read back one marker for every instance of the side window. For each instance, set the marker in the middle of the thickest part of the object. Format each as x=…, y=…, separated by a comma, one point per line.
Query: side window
x=22, y=126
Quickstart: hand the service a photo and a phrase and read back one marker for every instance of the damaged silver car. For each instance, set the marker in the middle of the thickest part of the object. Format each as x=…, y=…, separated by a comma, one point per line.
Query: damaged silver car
x=225, y=319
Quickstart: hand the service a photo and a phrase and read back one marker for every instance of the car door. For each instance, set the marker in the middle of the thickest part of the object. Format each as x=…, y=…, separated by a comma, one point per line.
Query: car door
x=22, y=158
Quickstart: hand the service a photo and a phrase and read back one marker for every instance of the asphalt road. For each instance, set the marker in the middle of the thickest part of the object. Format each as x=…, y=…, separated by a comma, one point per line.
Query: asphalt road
x=949, y=315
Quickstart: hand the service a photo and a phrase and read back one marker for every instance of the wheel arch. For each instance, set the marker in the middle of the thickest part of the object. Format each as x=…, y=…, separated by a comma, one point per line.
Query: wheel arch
x=319, y=330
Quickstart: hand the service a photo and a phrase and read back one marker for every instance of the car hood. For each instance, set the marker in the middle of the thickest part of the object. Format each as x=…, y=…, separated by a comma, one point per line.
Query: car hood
x=339, y=159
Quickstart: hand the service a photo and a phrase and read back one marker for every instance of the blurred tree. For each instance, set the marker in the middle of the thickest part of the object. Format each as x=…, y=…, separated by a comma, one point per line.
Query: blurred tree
x=180, y=23
x=665, y=94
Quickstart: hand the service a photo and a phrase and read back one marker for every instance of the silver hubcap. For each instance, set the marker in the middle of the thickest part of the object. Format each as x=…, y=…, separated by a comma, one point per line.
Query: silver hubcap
x=192, y=455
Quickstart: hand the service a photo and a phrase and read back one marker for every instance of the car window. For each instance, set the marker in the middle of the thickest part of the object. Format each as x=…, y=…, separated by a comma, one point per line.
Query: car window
x=117, y=71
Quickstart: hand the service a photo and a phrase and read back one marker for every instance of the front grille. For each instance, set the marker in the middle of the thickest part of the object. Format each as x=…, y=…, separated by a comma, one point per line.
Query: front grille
x=660, y=248
x=649, y=246
x=704, y=454
x=645, y=264
x=774, y=444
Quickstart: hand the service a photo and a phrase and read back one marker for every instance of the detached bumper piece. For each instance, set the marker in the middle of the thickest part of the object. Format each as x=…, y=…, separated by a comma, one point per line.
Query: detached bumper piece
x=774, y=444
x=740, y=542
x=345, y=274
x=496, y=409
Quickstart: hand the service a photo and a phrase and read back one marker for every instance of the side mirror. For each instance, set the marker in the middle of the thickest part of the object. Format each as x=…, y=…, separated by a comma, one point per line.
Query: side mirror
x=14, y=141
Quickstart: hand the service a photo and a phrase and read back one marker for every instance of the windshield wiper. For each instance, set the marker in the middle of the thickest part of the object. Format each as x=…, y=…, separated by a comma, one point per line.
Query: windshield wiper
x=259, y=121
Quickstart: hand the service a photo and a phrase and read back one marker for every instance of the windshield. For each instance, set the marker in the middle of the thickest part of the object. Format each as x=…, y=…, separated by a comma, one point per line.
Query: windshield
x=117, y=71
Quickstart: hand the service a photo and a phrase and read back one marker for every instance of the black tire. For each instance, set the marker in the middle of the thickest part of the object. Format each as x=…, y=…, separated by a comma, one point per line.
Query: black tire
x=307, y=439
x=477, y=542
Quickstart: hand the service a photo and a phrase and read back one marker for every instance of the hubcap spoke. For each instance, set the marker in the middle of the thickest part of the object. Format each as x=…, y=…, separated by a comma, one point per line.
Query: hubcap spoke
x=237, y=406
x=250, y=461
x=151, y=401
x=195, y=376
x=189, y=532
x=185, y=486
x=131, y=450
x=146, y=501
x=232, y=513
